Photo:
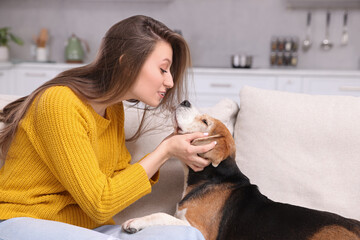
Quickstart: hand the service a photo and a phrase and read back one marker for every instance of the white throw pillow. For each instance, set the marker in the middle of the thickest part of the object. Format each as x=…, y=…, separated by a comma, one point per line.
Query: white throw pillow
x=301, y=149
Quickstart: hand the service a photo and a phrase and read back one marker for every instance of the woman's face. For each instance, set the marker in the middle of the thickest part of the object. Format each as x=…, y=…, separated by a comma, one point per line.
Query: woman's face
x=154, y=78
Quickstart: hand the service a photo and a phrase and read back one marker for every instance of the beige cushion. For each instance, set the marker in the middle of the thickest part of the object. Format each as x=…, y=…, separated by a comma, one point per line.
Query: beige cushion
x=168, y=191
x=301, y=149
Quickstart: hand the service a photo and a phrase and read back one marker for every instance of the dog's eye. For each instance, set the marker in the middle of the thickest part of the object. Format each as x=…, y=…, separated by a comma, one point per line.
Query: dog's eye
x=204, y=121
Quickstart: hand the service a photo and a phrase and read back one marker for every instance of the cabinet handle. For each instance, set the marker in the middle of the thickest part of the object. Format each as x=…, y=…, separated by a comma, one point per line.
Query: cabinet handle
x=220, y=85
x=349, y=88
x=35, y=74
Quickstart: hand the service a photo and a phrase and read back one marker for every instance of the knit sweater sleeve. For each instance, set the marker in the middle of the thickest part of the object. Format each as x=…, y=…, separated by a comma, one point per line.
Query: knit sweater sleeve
x=153, y=180
x=64, y=134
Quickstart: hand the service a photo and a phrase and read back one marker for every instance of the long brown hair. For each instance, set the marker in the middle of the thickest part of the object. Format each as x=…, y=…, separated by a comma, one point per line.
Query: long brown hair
x=108, y=76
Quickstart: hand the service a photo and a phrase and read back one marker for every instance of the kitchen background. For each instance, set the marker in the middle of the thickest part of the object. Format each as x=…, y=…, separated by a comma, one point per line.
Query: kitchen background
x=214, y=29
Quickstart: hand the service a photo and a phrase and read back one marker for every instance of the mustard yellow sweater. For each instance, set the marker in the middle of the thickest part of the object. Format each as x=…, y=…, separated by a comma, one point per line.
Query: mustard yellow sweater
x=69, y=164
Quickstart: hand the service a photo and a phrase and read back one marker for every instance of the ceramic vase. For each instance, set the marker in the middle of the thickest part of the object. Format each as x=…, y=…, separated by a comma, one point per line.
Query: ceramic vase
x=4, y=54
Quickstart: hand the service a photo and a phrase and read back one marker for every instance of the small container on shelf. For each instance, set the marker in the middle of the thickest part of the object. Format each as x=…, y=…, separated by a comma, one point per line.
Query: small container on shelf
x=283, y=51
x=294, y=59
x=273, y=58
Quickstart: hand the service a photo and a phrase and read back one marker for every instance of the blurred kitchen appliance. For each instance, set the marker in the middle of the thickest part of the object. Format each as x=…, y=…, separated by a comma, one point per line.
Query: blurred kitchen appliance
x=74, y=51
x=241, y=61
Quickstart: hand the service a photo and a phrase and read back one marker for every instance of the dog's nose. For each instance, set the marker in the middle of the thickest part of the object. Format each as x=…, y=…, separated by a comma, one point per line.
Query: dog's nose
x=186, y=103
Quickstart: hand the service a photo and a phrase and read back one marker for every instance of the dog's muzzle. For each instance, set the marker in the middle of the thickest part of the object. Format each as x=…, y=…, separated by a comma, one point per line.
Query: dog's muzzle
x=184, y=116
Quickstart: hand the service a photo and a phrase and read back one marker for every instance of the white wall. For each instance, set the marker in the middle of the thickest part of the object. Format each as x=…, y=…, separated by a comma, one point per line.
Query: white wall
x=214, y=29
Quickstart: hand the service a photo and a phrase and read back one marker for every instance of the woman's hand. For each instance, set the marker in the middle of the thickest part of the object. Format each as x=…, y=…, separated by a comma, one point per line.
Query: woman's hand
x=179, y=146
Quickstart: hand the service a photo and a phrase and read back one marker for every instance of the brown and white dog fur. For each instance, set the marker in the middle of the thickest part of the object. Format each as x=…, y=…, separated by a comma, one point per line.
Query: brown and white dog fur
x=221, y=202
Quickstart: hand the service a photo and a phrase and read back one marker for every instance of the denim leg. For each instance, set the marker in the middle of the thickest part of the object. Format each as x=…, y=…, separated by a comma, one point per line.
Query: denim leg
x=154, y=233
x=24, y=228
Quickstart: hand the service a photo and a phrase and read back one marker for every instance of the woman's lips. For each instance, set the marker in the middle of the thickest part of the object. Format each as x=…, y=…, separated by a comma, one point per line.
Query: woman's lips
x=162, y=94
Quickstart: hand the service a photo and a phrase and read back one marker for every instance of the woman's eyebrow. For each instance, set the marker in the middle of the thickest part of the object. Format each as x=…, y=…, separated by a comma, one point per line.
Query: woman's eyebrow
x=167, y=60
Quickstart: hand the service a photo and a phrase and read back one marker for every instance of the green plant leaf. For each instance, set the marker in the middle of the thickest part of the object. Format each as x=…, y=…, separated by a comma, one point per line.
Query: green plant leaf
x=6, y=36
x=4, y=31
x=16, y=39
x=3, y=36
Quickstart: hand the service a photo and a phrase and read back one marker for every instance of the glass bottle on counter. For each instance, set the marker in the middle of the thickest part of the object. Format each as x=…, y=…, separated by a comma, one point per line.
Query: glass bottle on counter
x=274, y=44
x=273, y=59
x=294, y=59
x=287, y=59
x=280, y=58
x=281, y=44
x=288, y=45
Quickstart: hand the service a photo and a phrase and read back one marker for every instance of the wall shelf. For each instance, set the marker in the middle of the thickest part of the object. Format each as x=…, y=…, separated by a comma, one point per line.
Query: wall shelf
x=323, y=4
x=128, y=1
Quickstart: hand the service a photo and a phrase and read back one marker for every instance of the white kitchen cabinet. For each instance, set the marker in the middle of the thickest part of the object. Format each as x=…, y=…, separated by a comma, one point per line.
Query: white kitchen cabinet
x=211, y=85
x=29, y=76
x=6, y=77
x=210, y=88
x=290, y=84
x=27, y=80
x=332, y=85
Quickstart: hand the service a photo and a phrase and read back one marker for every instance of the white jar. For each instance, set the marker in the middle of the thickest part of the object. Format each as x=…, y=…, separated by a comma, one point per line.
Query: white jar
x=41, y=54
x=4, y=54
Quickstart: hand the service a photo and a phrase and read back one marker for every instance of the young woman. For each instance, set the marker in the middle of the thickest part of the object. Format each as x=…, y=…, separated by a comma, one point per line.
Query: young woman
x=67, y=171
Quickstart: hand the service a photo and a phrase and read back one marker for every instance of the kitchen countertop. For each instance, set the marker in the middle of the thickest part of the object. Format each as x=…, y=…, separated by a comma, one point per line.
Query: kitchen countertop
x=42, y=65
x=199, y=70
x=6, y=65
x=278, y=71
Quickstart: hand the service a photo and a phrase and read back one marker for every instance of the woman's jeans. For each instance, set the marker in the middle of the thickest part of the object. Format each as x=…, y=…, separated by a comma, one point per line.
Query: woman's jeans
x=24, y=228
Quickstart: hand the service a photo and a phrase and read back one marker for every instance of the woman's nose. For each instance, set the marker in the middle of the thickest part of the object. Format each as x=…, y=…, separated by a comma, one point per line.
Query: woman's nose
x=169, y=83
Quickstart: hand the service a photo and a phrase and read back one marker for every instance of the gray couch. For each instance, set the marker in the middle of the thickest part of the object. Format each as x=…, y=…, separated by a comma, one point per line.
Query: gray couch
x=300, y=149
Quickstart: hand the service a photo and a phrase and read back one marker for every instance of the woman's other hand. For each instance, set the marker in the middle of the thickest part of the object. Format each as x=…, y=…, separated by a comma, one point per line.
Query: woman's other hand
x=179, y=146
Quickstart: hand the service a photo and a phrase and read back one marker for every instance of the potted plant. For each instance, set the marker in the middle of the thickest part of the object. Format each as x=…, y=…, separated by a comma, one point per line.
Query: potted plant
x=5, y=37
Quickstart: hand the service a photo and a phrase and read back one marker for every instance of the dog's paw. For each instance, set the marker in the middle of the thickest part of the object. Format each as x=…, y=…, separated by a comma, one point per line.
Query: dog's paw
x=134, y=225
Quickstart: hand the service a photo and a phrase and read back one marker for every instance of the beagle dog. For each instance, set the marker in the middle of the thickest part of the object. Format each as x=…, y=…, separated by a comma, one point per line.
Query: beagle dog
x=221, y=202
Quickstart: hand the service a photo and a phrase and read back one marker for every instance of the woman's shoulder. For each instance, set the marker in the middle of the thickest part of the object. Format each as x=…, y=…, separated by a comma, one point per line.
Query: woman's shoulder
x=60, y=93
x=59, y=99
x=59, y=96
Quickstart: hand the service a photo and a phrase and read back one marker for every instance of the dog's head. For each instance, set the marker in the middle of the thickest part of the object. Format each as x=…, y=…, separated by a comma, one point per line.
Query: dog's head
x=187, y=119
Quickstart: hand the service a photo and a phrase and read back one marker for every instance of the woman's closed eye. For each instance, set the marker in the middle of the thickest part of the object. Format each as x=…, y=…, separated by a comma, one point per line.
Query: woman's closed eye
x=163, y=70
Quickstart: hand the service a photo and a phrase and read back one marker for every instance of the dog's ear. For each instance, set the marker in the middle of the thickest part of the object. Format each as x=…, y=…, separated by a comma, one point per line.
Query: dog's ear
x=218, y=153
x=205, y=140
